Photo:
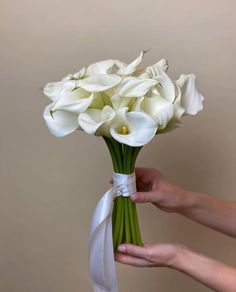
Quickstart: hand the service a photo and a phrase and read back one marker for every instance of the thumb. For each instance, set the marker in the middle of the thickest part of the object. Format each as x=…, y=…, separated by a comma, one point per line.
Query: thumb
x=143, y=197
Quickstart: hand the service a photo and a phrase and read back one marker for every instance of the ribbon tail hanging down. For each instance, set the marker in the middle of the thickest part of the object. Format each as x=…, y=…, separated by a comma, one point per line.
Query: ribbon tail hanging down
x=101, y=255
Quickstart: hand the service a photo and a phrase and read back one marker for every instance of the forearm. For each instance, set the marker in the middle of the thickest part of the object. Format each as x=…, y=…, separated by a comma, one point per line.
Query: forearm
x=211, y=273
x=213, y=212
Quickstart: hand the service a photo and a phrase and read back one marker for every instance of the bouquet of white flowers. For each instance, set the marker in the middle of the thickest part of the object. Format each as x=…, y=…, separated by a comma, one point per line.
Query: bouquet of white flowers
x=127, y=106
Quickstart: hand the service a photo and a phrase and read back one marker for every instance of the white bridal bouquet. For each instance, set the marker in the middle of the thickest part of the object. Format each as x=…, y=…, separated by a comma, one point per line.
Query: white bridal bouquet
x=127, y=106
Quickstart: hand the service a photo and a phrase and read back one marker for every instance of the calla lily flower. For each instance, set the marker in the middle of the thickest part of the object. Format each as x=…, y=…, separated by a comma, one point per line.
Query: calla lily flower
x=76, y=76
x=123, y=100
x=96, y=121
x=165, y=87
x=191, y=99
x=135, y=87
x=114, y=66
x=99, y=83
x=179, y=110
x=53, y=89
x=131, y=68
x=73, y=99
x=133, y=128
x=175, y=122
x=187, y=102
x=60, y=123
x=154, y=70
x=160, y=109
x=103, y=67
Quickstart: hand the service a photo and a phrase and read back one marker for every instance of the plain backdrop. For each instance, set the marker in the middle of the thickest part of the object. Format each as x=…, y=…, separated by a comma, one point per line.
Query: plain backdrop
x=50, y=186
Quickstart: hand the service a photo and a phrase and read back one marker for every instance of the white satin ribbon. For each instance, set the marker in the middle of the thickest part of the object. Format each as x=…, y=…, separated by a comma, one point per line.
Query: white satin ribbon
x=101, y=255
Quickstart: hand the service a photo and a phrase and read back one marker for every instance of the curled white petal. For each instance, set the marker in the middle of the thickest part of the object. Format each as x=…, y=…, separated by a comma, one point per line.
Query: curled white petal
x=76, y=76
x=166, y=87
x=103, y=67
x=191, y=99
x=160, y=109
x=141, y=128
x=162, y=64
x=53, y=89
x=154, y=70
x=60, y=123
x=98, y=83
x=175, y=122
x=129, y=69
x=179, y=110
x=73, y=100
x=96, y=121
x=135, y=87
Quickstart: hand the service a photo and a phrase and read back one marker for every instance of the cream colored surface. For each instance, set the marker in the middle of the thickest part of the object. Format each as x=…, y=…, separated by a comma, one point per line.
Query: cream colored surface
x=49, y=186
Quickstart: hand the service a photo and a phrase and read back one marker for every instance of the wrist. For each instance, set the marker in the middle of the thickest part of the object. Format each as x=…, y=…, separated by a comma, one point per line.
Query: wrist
x=191, y=202
x=179, y=258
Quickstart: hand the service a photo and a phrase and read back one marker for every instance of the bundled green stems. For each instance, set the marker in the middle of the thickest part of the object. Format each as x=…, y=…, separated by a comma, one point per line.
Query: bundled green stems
x=124, y=215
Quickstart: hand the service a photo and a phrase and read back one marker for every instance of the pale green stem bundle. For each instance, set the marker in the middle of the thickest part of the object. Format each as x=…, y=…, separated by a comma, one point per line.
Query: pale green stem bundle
x=125, y=224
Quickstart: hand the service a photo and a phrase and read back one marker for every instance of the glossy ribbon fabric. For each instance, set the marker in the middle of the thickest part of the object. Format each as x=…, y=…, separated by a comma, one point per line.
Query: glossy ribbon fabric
x=101, y=255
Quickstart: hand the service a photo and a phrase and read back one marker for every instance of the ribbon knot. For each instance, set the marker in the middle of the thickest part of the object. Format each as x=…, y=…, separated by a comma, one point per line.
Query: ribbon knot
x=125, y=183
x=101, y=255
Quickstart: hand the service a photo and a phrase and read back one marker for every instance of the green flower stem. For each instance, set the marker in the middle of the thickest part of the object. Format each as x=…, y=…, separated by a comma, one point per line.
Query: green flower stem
x=118, y=152
x=132, y=223
x=122, y=227
x=138, y=235
x=118, y=222
x=128, y=227
x=129, y=170
x=135, y=151
x=125, y=159
x=113, y=156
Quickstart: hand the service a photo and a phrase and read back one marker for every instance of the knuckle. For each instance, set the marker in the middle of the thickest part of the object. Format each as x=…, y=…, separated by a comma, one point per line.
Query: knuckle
x=142, y=198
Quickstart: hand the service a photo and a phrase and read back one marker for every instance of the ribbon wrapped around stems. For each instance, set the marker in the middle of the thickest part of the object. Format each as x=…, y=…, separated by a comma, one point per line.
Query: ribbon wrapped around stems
x=101, y=254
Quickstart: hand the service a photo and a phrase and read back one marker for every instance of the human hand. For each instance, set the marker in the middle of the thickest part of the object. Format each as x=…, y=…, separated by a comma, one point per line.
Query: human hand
x=156, y=255
x=154, y=187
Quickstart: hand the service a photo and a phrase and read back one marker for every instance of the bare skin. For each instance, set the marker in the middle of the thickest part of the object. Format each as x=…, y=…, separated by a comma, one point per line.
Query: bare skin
x=219, y=214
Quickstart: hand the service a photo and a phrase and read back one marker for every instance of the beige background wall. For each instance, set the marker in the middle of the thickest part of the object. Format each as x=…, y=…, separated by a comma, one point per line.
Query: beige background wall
x=49, y=186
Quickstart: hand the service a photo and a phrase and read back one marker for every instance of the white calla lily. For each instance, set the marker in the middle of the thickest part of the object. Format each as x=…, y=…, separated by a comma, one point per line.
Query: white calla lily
x=98, y=83
x=179, y=110
x=111, y=95
x=53, y=89
x=60, y=123
x=135, y=87
x=166, y=86
x=131, y=68
x=73, y=99
x=160, y=109
x=103, y=67
x=114, y=66
x=76, y=76
x=154, y=70
x=191, y=99
x=175, y=122
x=162, y=64
x=96, y=121
x=133, y=128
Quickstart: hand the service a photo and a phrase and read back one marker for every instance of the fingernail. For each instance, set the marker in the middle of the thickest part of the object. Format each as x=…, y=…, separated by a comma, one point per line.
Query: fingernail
x=121, y=248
